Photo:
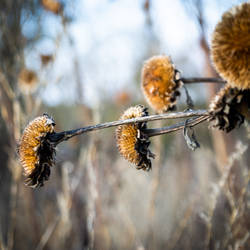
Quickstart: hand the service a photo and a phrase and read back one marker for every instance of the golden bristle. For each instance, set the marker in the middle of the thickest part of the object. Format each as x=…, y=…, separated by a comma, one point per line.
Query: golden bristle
x=35, y=152
x=160, y=83
x=27, y=80
x=132, y=143
x=229, y=108
x=52, y=6
x=231, y=46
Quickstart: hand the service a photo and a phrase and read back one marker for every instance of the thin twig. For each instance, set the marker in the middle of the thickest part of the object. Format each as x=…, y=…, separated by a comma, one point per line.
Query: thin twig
x=175, y=127
x=2, y=245
x=47, y=234
x=155, y=184
x=201, y=79
x=13, y=213
x=65, y=135
x=5, y=85
x=182, y=225
x=189, y=101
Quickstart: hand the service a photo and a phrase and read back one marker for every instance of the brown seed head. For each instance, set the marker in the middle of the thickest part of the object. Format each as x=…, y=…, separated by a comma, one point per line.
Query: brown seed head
x=229, y=108
x=27, y=80
x=231, y=46
x=36, y=152
x=52, y=6
x=122, y=98
x=160, y=83
x=131, y=142
x=244, y=107
x=46, y=59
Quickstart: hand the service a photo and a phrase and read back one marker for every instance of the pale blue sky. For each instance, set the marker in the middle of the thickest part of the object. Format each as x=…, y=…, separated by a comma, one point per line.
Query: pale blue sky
x=110, y=40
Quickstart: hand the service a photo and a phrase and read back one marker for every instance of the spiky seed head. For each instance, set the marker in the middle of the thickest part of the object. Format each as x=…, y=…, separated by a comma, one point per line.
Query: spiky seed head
x=132, y=143
x=229, y=108
x=27, y=80
x=231, y=46
x=35, y=151
x=160, y=82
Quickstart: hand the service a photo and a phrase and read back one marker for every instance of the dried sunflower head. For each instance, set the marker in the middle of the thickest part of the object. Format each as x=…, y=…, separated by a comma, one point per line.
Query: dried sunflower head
x=27, y=80
x=160, y=83
x=35, y=150
x=231, y=46
x=46, y=59
x=229, y=108
x=132, y=143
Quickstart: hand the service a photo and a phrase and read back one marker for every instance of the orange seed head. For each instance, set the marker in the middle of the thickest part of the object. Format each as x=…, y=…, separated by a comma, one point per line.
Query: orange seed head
x=35, y=151
x=27, y=80
x=52, y=5
x=131, y=142
x=160, y=83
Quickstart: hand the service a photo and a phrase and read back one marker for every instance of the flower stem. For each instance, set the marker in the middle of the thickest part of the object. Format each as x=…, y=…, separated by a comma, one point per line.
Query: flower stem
x=201, y=79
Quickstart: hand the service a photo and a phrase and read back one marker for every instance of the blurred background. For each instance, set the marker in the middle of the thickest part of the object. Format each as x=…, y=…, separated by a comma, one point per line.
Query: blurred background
x=80, y=61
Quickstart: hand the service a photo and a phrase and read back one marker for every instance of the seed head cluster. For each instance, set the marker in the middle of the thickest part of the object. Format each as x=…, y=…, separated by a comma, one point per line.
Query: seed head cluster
x=132, y=143
x=160, y=83
x=231, y=46
x=35, y=150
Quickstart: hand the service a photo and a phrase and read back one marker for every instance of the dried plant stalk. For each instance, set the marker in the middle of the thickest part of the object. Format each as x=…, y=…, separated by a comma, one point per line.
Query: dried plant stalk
x=57, y=138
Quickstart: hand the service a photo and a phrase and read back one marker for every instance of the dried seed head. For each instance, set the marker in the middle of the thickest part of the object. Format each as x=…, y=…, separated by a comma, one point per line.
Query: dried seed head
x=231, y=46
x=160, y=83
x=46, y=59
x=35, y=150
x=27, y=80
x=229, y=108
x=52, y=6
x=122, y=98
x=132, y=143
x=244, y=107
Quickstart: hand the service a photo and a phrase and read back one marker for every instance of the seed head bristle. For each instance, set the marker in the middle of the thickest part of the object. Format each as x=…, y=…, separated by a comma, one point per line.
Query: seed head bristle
x=230, y=49
x=160, y=83
x=132, y=143
x=36, y=153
